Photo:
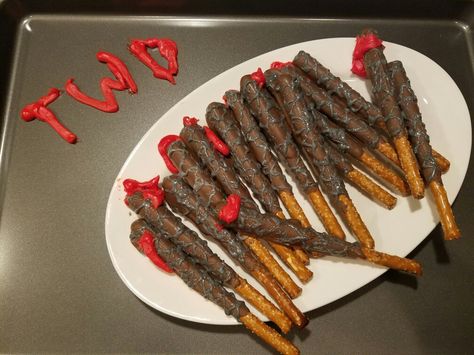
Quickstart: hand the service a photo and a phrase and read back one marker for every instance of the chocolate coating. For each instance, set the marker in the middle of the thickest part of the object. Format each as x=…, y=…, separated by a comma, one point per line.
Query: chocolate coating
x=383, y=91
x=419, y=137
x=257, y=142
x=195, y=139
x=305, y=132
x=272, y=121
x=163, y=221
x=334, y=85
x=290, y=233
x=221, y=120
x=183, y=200
x=193, y=275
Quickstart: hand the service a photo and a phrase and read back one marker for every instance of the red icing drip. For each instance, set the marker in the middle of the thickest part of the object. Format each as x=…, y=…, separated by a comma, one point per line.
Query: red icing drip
x=230, y=212
x=259, y=77
x=38, y=110
x=147, y=245
x=219, y=226
x=218, y=144
x=364, y=43
x=163, y=147
x=167, y=49
x=190, y=121
x=123, y=81
x=150, y=190
x=279, y=65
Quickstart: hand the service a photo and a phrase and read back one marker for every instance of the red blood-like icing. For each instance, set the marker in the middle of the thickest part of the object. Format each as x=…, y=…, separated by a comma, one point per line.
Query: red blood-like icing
x=219, y=145
x=150, y=190
x=219, y=226
x=167, y=49
x=259, y=77
x=364, y=43
x=119, y=69
x=279, y=65
x=38, y=110
x=123, y=81
x=147, y=245
x=163, y=147
x=230, y=211
x=190, y=121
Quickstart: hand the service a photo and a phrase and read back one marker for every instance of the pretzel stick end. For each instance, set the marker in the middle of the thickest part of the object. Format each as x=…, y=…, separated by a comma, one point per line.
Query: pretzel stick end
x=393, y=261
x=325, y=214
x=268, y=335
x=410, y=166
x=448, y=222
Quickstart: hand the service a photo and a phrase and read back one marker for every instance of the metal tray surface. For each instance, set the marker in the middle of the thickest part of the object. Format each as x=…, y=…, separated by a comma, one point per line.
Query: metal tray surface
x=59, y=291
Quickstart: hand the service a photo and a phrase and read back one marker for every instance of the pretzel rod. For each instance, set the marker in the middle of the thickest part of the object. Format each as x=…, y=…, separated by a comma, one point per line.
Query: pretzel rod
x=212, y=197
x=383, y=91
x=354, y=101
x=289, y=232
x=195, y=139
x=270, y=336
x=260, y=148
x=200, y=281
x=184, y=197
x=184, y=201
x=222, y=121
x=302, y=123
x=348, y=120
x=272, y=121
x=422, y=148
x=344, y=142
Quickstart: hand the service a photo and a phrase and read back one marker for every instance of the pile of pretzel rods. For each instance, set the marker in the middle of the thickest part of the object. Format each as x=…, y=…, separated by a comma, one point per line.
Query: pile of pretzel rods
x=325, y=134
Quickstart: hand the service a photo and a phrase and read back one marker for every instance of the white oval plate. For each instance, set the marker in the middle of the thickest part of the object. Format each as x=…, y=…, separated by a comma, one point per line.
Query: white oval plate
x=398, y=231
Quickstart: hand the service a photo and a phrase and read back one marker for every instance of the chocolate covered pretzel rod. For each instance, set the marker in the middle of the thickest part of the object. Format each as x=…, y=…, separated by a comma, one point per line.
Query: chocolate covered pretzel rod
x=221, y=120
x=375, y=65
x=195, y=138
x=289, y=232
x=354, y=101
x=263, y=154
x=310, y=140
x=422, y=148
x=199, y=280
x=272, y=121
x=352, y=123
x=212, y=197
x=184, y=201
x=342, y=139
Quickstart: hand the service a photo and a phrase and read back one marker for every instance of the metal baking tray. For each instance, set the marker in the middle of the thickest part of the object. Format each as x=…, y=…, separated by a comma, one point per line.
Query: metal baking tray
x=58, y=289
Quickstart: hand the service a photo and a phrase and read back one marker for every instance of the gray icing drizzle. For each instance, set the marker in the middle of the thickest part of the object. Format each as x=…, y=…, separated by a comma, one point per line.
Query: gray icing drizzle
x=221, y=120
x=196, y=140
x=272, y=121
x=183, y=200
x=163, y=221
x=257, y=141
x=191, y=273
x=290, y=233
x=334, y=85
x=305, y=132
x=419, y=137
x=383, y=91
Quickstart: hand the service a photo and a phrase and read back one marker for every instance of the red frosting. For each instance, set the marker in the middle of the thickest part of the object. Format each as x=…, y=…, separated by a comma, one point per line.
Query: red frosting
x=364, y=43
x=163, y=149
x=147, y=245
x=119, y=69
x=259, y=77
x=38, y=110
x=279, y=65
x=219, y=145
x=230, y=212
x=123, y=81
x=150, y=190
x=168, y=50
x=189, y=121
